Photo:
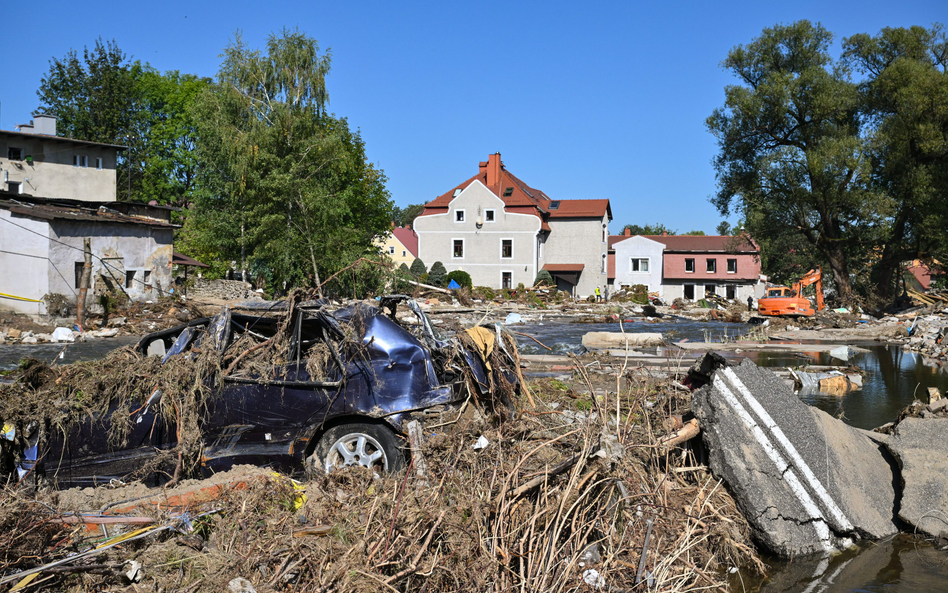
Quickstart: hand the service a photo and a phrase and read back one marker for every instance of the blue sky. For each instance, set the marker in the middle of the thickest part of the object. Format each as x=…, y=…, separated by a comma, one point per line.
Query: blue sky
x=583, y=100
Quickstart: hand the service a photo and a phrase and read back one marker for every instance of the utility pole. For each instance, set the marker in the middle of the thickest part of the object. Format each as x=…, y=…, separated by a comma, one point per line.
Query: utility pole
x=84, y=282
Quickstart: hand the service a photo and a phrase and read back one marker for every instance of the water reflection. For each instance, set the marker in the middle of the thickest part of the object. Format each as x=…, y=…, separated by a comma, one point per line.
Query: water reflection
x=893, y=379
x=12, y=354
x=901, y=564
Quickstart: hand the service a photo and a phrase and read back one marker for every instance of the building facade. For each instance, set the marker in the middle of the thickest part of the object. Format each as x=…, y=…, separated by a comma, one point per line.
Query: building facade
x=35, y=162
x=57, y=192
x=400, y=245
x=690, y=267
x=503, y=232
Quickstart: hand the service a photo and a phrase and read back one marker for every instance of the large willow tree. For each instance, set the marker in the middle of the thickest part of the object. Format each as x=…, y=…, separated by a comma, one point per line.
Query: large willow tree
x=287, y=187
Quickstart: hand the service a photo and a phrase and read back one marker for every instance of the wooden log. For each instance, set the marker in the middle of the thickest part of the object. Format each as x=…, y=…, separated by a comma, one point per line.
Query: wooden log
x=687, y=432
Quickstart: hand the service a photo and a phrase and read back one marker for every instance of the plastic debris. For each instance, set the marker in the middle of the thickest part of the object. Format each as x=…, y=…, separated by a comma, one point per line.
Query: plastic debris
x=513, y=318
x=592, y=578
x=481, y=443
x=63, y=334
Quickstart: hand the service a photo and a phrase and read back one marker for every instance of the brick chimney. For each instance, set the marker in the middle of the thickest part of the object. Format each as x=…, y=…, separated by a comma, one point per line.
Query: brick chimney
x=493, y=169
x=664, y=233
x=627, y=232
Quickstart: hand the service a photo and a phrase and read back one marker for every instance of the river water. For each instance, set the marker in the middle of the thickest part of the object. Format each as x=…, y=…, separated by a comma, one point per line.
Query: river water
x=893, y=378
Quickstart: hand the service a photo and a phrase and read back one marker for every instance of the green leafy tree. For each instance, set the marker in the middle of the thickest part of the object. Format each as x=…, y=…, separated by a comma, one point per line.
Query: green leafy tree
x=97, y=97
x=905, y=102
x=649, y=229
x=418, y=267
x=696, y=233
x=287, y=187
x=723, y=228
x=791, y=155
x=461, y=277
x=437, y=273
x=407, y=215
x=169, y=164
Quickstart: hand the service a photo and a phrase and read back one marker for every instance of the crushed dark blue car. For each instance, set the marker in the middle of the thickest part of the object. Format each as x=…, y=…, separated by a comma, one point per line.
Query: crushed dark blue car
x=300, y=388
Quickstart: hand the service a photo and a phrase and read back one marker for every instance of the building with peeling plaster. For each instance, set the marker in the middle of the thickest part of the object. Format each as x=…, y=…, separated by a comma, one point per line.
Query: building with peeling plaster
x=56, y=192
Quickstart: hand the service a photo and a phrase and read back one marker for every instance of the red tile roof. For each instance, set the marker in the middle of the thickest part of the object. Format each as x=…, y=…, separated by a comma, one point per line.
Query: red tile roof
x=702, y=243
x=408, y=238
x=581, y=209
x=705, y=243
x=526, y=199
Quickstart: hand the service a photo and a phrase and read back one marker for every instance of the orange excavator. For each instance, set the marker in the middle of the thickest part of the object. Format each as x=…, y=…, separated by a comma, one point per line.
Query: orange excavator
x=789, y=301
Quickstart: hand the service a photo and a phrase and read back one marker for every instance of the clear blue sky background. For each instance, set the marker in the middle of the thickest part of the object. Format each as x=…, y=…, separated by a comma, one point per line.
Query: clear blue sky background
x=582, y=99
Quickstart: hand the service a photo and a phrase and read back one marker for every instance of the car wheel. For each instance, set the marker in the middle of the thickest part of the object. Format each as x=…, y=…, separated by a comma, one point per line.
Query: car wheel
x=368, y=445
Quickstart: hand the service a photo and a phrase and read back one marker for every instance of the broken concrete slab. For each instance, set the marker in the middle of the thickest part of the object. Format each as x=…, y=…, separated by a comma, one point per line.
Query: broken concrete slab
x=620, y=340
x=920, y=447
x=806, y=482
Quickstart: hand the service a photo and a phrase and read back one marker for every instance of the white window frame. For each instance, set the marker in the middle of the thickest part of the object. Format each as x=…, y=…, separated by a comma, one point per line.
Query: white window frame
x=463, y=248
x=98, y=163
x=729, y=270
x=692, y=270
x=404, y=253
x=502, y=247
x=647, y=261
x=502, y=272
x=684, y=291
x=391, y=250
x=493, y=215
x=80, y=160
x=714, y=264
x=462, y=212
x=604, y=267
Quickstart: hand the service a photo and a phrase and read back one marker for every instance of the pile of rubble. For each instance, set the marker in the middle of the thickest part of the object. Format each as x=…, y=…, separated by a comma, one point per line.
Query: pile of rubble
x=228, y=290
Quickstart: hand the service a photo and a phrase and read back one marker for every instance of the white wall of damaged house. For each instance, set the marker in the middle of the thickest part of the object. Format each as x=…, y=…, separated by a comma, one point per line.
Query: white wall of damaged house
x=133, y=258
x=24, y=245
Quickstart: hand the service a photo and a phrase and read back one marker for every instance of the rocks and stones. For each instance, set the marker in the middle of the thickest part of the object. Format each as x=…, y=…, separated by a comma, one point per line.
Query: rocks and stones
x=63, y=334
x=921, y=450
x=806, y=482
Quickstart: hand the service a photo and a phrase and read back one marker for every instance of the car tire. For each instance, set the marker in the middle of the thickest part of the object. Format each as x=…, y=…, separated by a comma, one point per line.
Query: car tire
x=369, y=445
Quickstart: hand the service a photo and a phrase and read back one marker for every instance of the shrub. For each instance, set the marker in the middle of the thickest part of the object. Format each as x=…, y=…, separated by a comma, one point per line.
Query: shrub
x=485, y=293
x=461, y=277
x=544, y=277
x=418, y=267
x=437, y=273
x=640, y=294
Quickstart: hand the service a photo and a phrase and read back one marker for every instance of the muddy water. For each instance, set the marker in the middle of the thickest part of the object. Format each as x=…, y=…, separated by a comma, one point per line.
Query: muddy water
x=12, y=354
x=565, y=338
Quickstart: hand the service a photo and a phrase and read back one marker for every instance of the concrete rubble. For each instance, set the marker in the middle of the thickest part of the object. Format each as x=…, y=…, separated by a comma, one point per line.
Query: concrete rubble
x=806, y=482
x=920, y=447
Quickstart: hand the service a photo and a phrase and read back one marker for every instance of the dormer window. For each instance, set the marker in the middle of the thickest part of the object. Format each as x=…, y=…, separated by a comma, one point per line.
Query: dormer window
x=508, y=192
x=457, y=191
x=554, y=205
x=459, y=216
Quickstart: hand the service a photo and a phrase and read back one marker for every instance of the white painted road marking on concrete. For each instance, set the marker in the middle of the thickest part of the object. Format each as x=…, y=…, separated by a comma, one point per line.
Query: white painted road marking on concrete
x=819, y=521
x=795, y=457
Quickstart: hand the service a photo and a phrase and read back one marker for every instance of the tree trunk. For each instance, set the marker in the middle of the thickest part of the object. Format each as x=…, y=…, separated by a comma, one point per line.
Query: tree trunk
x=319, y=287
x=84, y=282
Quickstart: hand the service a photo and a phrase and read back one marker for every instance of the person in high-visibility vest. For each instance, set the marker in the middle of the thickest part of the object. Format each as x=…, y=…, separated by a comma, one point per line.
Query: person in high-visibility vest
x=598, y=295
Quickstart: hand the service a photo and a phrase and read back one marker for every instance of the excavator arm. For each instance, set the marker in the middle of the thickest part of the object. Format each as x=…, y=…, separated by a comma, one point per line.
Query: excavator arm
x=812, y=277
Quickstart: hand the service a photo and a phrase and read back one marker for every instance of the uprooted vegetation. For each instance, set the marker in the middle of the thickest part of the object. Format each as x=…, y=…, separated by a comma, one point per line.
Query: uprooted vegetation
x=573, y=490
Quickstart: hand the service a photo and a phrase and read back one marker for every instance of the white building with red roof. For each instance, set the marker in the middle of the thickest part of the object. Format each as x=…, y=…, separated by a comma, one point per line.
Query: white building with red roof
x=687, y=266
x=503, y=232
